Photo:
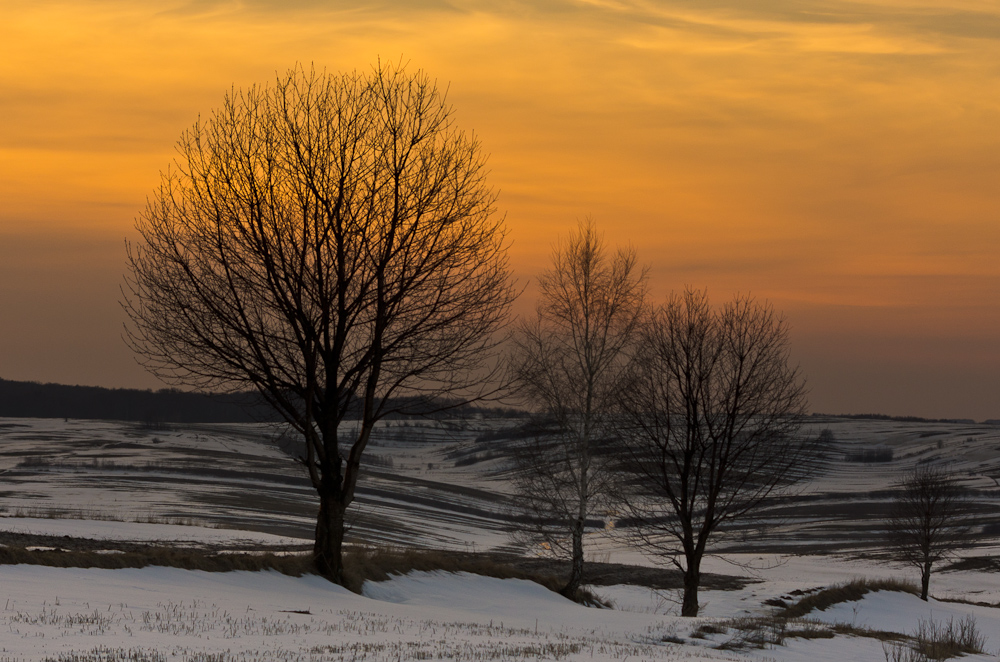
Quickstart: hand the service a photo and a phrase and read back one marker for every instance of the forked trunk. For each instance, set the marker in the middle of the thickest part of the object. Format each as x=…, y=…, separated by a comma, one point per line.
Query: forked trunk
x=692, y=578
x=328, y=555
x=576, y=571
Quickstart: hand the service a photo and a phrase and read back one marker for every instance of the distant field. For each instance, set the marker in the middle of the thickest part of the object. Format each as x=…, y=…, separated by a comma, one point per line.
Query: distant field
x=104, y=488
x=441, y=484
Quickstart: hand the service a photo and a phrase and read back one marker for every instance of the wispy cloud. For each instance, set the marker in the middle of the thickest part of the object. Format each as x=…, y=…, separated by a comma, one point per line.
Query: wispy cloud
x=814, y=151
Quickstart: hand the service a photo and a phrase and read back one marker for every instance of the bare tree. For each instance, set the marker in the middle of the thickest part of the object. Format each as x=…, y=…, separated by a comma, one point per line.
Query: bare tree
x=711, y=413
x=567, y=363
x=331, y=242
x=928, y=521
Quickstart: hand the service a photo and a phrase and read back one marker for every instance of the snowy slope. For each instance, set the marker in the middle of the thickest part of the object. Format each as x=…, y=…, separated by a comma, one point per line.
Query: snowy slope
x=437, y=484
x=247, y=616
x=431, y=484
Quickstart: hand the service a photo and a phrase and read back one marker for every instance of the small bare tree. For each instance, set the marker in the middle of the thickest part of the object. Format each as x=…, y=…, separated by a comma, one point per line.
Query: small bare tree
x=928, y=521
x=567, y=363
x=331, y=242
x=711, y=412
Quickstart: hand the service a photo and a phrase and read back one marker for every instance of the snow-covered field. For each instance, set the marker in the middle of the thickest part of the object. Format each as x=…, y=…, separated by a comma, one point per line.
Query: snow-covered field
x=435, y=485
x=166, y=613
x=266, y=616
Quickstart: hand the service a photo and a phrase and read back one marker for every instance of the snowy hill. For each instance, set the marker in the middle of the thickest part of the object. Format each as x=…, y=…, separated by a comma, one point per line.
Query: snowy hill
x=443, y=485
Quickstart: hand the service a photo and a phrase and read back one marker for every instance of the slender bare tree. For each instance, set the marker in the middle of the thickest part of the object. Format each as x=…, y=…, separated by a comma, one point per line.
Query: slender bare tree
x=330, y=241
x=928, y=521
x=567, y=363
x=710, y=417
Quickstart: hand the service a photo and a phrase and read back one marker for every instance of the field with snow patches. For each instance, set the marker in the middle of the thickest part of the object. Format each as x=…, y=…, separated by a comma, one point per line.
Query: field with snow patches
x=111, y=487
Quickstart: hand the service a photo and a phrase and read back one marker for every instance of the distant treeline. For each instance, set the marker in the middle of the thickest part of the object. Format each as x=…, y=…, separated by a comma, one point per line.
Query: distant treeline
x=904, y=419
x=34, y=400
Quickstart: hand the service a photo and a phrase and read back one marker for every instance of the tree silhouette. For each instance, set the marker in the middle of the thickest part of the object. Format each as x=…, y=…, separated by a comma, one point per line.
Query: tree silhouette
x=330, y=241
x=711, y=411
x=567, y=363
x=928, y=521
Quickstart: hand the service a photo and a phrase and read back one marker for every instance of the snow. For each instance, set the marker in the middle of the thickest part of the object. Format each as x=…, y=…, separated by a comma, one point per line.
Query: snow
x=839, y=649
x=183, y=614
x=514, y=602
x=232, y=476
x=901, y=612
x=712, y=604
x=239, y=615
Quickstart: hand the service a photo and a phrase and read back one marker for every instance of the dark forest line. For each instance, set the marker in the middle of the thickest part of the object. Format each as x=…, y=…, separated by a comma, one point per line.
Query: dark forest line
x=36, y=400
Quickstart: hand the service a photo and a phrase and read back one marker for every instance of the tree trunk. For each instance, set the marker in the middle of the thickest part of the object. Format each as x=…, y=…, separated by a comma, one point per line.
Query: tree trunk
x=925, y=580
x=327, y=550
x=692, y=578
x=576, y=572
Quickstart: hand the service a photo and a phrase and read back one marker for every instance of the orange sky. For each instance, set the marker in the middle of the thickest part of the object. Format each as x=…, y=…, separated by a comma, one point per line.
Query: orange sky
x=841, y=159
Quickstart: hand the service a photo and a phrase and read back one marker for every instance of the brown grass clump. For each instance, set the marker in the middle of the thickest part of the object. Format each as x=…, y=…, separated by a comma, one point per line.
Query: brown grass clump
x=879, y=635
x=360, y=564
x=937, y=641
x=852, y=590
x=940, y=641
x=749, y=632
x=295, y=566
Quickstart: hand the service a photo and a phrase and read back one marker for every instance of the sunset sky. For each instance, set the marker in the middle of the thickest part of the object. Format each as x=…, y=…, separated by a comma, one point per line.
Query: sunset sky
x=839, y=159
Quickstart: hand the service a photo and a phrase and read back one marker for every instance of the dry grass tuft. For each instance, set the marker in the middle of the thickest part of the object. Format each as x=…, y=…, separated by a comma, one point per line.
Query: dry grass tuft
x=852, y=590
x=937, y=641
x=755, y=632
x=940, y=641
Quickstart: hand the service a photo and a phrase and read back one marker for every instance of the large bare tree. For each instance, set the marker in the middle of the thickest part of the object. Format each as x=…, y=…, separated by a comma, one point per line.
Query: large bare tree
x=330, y=241
x=711, y=412
x=567, y=363
x=929, y=521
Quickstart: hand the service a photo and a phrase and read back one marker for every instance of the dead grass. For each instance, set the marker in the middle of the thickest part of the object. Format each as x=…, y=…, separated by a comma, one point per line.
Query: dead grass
x=295, y=566
x=102, y=516
x=706, y=629
x=879, y=635
x=360, y=564
x=381, y=563
x=940, y=641
x=848, y=592
x=937, y=641
x=749, y=632
x=762, y=631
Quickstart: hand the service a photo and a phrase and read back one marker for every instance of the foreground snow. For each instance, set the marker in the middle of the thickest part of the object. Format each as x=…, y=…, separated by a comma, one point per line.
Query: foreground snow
x=182, y=614
x=159, y=613
x=900, y=612
x=887, y=612
x=422, y=492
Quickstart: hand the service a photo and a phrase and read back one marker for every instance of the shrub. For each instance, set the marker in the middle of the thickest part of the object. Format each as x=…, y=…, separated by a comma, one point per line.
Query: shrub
x=939, y=641
x=706, y=629
x=756, y=632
